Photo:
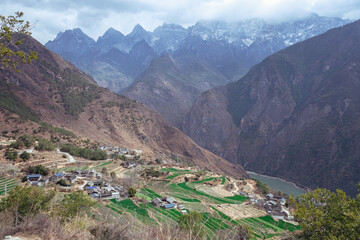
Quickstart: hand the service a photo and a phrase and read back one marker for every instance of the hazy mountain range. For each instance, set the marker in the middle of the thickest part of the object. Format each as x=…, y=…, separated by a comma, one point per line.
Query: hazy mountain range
x=115, y=60
x=205, y=55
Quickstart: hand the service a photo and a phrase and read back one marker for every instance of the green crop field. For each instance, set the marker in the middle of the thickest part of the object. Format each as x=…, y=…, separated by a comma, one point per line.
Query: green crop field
x=103, y=164
x=174, y=175
x=237, y=198
x=150, y=193
x=170, y=170
x=223, y=180
x=186, y=199
x=10, y=184
x=267, y=227
x=128, y=205
x=194, y=200
x=204, y=180
x=189, y=192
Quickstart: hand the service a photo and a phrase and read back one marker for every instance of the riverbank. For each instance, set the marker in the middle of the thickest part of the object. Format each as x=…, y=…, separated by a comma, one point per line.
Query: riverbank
x=278, y=184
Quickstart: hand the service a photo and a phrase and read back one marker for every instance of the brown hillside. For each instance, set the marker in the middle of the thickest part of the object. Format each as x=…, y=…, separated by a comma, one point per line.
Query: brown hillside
x=55, y=91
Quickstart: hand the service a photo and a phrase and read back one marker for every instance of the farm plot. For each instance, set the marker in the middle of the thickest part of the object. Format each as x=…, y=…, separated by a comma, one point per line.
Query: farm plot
x=216, y=191
x=175, y=172
x=103, y=164
x=149, y=193
x=267, y=227
x=204, y=180
x=163, y=215
x=188, y=192
x=223, y=180
x=129, y=206
x=237, y=211
x=10, y=184
x=186, y=199
x=226, y=214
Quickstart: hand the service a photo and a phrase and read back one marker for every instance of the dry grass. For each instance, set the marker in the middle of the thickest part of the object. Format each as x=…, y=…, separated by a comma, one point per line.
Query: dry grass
x=41, y=226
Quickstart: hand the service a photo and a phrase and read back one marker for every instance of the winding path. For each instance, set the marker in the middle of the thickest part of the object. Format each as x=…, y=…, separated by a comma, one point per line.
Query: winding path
x=236, y=189
x=71, y=158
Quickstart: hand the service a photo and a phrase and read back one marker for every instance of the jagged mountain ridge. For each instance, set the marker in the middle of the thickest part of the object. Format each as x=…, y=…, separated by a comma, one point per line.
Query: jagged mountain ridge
x=54, y=91
x=295, y=115
x=231, y=48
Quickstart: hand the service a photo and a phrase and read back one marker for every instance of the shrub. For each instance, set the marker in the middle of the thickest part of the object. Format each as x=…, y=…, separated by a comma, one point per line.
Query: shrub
x=24, y=201
x=73, y=204
x=39, y=169
x=44, y=145
x=62, y=182
x=191, y=222
x=84, y=152
x=263, y=188
x=11, y=155
x=132, y=191
x=24, y=179
x=25, y=156
x=28, y=140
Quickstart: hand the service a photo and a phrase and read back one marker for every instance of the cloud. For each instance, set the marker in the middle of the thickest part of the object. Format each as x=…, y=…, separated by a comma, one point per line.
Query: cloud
x=95, y=17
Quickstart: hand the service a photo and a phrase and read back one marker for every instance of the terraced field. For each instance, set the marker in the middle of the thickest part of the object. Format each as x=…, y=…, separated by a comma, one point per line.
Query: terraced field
x=128, y=205
x=191, y=193
x=10, y=184
x=175, y=172
x=213, y=219
x=267, y=227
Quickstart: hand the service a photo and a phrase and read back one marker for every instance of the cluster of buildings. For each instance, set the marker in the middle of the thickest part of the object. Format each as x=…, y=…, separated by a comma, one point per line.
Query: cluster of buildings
x=121, y=151
x=91, y=182
x=167, y=203
x=274, y=205
x=69, y=177
x=103, y=190
x=118, y=150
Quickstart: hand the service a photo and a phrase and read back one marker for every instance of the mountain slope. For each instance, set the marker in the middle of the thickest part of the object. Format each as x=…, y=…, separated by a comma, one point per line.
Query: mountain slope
x=54, y=91
x=170, y=82
x=295, y=115
x=231, y=48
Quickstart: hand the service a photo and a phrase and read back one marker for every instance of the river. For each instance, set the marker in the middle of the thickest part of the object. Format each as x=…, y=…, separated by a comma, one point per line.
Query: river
x=278, y=184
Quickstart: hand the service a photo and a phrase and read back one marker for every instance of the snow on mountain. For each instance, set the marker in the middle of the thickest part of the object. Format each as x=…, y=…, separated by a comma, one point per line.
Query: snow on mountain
x=230, y=47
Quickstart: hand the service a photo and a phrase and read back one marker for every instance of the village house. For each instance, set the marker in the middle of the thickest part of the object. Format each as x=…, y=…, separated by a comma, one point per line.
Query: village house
x=43, y=181
x=104, y=190
x=56, y=177
x=165, y=202
x=34, y=179
x=71, y=178
x=128, y=164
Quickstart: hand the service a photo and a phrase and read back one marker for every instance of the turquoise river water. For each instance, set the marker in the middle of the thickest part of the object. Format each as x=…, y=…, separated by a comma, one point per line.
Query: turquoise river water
x=278, y=184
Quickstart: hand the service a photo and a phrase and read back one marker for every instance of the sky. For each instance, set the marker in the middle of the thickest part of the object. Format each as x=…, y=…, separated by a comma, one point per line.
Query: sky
x=94, y=17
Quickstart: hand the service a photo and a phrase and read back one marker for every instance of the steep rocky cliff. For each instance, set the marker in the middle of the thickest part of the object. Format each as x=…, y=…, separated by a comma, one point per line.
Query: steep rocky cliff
x=295, y=115
x=53, y=91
